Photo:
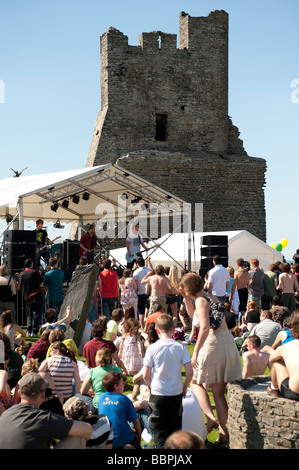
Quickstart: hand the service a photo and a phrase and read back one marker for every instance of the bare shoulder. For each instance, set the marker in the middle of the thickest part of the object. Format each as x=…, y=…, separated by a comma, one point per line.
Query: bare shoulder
x=201, y=302
x=290, y=346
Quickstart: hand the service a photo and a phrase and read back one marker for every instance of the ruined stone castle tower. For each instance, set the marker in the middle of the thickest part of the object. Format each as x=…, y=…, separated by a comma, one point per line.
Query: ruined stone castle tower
x=164, y=116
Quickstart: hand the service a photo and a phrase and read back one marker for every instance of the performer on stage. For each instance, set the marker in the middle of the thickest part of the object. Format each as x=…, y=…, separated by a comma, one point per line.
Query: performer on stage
x=88, y=242
x=133, y=243
x=42, y=243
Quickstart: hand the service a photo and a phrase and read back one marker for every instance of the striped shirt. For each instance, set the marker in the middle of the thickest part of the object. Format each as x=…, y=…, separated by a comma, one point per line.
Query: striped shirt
x=62, y=372
x=102, y=433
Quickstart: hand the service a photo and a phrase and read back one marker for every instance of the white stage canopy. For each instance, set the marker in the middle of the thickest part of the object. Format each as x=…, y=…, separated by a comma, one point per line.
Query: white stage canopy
x=34, y=195
x=107, y=192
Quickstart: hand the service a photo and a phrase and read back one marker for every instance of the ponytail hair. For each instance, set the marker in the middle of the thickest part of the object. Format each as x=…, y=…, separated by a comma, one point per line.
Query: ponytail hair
x=64, y=350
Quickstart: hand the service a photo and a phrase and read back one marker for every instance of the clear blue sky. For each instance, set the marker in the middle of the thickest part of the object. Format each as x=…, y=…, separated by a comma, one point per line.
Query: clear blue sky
x=50, y=84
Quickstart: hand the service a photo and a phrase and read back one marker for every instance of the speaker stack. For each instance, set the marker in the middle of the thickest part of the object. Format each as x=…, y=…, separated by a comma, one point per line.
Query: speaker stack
x=212, y=245
x=70, y=258
x=18, y=246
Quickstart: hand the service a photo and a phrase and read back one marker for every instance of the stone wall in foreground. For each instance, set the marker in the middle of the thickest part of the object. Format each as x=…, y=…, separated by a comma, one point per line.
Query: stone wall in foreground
x=259, y=421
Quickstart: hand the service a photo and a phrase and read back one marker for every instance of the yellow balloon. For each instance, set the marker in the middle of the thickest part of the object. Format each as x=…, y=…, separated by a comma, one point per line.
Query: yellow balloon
x=272, y=245
x=284, y=242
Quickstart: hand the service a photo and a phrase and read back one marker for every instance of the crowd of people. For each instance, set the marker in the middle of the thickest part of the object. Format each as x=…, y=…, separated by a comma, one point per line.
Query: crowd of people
x=240, y=321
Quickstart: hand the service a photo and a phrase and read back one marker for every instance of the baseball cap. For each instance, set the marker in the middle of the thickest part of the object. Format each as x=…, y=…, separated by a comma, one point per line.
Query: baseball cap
x=32, y=384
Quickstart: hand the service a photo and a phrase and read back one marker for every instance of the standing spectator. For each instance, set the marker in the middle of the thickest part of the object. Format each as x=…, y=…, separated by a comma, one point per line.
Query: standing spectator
x=138, y=275
x=108, y=287
x=256, y=286
x=128, y=291
x=31, y=283
x=53, y=281
x=231, y=273
x=295, y=270
x=162, y=373
x=288, y=285
x=218, y=280
x=267, y=329
x=296, y=257
x=8, y=289
x=215, y=358
x=160, y=285
x=241, y=284
x=25, y=426
x=270, y=283
x=131, y=349
x=172, y=299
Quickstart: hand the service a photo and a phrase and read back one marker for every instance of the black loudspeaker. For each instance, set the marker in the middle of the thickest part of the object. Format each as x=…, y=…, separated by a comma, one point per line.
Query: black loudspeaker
x=70, y=258
x=19, y=236
x=71, y=253
x=215, y=245
x=207, y=263
x=18, y=246
x=211, y=251
x=214, y=240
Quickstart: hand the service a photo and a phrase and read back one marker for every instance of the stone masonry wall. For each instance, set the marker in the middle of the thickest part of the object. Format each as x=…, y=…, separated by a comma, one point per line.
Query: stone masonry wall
x=189, y=84
x=223, y=185
x=259, y=421
x=201, y=158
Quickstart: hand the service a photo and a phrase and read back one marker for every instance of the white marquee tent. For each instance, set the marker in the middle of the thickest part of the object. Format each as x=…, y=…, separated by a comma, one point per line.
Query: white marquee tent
x=174, y=250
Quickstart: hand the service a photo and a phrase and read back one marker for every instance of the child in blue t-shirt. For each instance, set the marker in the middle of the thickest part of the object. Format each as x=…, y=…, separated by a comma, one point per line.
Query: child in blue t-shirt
x=120, y=411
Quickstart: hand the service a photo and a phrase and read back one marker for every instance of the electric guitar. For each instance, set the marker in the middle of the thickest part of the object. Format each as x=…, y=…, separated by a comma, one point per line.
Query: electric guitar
x=83, y=252
x=136, y=253
x=44, y=248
